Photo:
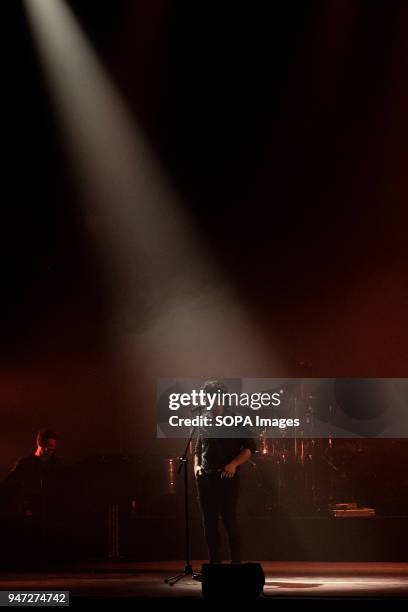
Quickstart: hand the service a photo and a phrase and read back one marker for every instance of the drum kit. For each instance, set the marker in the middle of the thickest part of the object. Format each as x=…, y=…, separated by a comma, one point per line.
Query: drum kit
x=301, y=475
x=294, y=476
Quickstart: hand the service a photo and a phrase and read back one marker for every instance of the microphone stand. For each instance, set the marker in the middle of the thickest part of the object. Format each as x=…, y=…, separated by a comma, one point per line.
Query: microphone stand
x=188, y=568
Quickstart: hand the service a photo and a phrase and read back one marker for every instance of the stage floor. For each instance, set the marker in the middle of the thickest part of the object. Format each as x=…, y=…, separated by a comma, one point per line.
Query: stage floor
x=283, y=580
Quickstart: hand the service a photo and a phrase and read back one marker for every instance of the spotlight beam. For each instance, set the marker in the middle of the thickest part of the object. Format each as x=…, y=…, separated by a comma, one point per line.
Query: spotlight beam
x=199, y=327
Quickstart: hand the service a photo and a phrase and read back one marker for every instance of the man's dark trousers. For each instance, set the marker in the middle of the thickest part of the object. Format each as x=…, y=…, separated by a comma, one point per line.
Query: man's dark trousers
x=219, y=497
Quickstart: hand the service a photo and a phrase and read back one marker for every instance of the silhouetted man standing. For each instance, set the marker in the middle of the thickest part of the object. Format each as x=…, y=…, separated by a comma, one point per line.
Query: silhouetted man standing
x=216, y=468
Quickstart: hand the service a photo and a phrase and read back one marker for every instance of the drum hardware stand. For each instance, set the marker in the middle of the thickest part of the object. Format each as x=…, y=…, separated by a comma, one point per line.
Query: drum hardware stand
x=279, y=488
x=188, y=568
x=330, y=459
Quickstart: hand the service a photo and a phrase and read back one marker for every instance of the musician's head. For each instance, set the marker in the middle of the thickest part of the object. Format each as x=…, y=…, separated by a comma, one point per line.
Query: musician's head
x=215, y=387
x=46, y=443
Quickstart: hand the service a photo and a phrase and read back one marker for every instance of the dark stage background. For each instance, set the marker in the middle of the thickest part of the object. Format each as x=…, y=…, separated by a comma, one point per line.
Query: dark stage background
x=283, y=130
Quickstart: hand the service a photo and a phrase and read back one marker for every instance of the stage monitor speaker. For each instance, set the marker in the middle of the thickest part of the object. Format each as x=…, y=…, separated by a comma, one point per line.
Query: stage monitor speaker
x=232, y=581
